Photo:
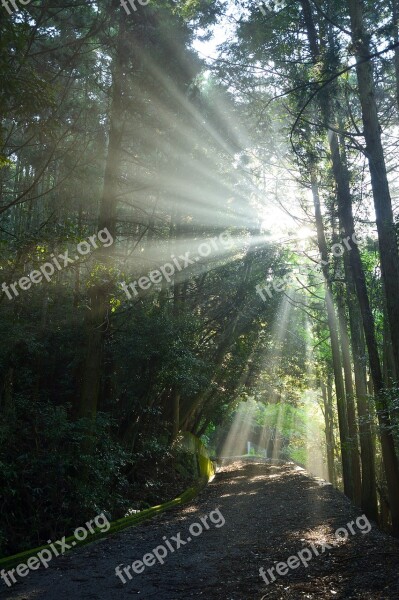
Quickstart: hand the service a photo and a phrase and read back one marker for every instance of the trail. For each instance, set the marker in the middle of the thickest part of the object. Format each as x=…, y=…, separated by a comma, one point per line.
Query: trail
x=271, y=512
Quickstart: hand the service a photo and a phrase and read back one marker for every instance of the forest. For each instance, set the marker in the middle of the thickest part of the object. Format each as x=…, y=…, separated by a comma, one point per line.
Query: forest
x=199, y=226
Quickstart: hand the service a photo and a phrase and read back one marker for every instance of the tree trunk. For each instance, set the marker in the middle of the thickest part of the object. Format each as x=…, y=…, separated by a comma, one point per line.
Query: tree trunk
x=388, y=249
x=175, y=414
x=350, y=403
x=344, y=198
x=395, y=27
x=387, y=442
x=367, y=447
x=350, y=463
x=97, y=316
x=329, y=432
x=336, y=358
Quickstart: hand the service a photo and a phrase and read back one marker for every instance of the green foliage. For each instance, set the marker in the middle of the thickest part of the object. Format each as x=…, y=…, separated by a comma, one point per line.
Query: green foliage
x=44, y=493
x=392, y=402
x=202, y=12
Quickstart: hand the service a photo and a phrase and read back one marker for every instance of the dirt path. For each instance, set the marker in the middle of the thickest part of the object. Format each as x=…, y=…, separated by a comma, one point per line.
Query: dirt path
x=271, y=513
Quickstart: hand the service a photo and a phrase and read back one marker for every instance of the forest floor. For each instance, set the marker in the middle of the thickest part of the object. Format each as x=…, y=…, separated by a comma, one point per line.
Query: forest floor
x=271, y=512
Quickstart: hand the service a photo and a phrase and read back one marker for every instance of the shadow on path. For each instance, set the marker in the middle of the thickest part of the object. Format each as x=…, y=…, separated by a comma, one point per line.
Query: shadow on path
x=271, y=512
